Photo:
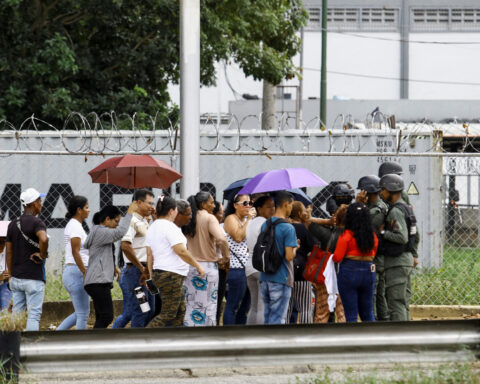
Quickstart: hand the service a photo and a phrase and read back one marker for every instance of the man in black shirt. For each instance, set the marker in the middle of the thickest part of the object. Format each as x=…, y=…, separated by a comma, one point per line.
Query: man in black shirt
x=26, y=251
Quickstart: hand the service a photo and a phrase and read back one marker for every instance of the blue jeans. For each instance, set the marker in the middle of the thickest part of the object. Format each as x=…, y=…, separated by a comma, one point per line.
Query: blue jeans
x=276, y=297
x=28, y=295
x=236, y=289
x=356, y=284
x=129, y=280
x=73, y=283
x=5, y=295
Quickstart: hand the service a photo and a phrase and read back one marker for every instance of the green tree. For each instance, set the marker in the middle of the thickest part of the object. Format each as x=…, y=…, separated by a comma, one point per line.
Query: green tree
x=58, y=56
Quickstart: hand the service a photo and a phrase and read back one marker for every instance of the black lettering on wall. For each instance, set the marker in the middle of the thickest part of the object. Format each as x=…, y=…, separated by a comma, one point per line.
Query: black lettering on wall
x=321, y=198
x=10, y=201
x=55, y=193
x=107, y=192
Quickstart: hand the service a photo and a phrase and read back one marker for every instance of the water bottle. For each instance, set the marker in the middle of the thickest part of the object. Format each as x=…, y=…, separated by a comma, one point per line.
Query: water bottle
x=142, y=299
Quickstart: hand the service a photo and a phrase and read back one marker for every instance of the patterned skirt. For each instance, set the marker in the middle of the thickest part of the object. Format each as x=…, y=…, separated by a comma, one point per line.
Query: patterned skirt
x=201, y=296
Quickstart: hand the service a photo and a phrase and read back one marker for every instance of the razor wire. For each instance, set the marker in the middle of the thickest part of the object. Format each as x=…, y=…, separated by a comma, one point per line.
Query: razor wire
x=111, y=133
x=455, y=281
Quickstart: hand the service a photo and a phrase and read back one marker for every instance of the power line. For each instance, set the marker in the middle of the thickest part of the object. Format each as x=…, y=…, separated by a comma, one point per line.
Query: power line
x=404, y=40
x=394, y=78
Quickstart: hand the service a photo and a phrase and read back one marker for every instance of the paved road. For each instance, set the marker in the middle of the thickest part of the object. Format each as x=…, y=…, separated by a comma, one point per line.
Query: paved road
x=100, y=379
x=293, y=375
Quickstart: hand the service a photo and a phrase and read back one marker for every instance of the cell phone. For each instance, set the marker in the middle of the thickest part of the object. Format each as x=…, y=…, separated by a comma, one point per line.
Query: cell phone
x=152, y=288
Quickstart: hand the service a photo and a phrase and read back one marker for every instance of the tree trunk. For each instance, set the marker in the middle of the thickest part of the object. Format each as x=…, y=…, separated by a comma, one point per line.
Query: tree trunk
x=268, y=106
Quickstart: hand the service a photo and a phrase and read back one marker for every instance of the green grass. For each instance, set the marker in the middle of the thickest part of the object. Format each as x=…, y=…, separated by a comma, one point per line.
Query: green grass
x=457, y=282
x=445, y=374
x=55, y=291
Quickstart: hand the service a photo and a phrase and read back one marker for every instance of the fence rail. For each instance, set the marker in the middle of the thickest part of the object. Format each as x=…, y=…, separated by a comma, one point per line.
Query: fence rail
x=57, y=162
x=250, y=346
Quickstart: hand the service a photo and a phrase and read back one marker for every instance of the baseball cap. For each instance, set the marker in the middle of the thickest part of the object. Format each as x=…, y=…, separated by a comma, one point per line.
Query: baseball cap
x=30, y=195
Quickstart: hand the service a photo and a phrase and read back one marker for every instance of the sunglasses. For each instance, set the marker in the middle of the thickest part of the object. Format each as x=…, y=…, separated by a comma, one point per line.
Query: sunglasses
x=246, y=203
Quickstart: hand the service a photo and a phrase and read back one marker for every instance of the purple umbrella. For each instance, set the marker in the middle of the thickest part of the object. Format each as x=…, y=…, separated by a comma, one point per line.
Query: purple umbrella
x=282, y=179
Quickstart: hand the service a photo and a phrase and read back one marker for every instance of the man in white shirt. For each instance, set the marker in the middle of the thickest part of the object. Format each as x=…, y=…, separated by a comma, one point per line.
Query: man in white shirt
x=135, y=271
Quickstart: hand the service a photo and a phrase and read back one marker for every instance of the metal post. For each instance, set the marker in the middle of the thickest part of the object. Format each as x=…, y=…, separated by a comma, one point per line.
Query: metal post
x=189, y=96
x=451, y=208
x=323, y=80
x=299, y=108
x=478, y=210
x=404, y=50
x=469, y=190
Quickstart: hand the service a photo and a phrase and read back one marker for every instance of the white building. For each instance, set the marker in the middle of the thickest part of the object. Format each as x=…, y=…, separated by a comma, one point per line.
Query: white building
x=372, y=45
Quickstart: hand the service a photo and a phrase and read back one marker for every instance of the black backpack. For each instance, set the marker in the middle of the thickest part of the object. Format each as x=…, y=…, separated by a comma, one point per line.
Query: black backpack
x=266, y=257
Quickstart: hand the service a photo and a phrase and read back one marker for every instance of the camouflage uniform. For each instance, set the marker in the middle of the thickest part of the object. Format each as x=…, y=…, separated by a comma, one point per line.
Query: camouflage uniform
x=398, y=269
x=378, y=212
x=172, y=291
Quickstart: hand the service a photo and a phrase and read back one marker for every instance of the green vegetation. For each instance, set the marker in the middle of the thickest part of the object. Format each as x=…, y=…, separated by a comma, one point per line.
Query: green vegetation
x=12, y=322
x=445, y=374
x=55, y=291
x=7, y=376
x=456, y=283
x=59, y=56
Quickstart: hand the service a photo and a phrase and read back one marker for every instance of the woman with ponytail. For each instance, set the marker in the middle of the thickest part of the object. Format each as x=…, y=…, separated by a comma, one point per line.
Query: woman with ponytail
x=203, y=234
x=107, y=229
x=76, y=262
x=355, y=250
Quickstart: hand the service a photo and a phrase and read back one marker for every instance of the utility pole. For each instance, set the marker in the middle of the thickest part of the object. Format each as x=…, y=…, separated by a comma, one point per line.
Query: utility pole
x=299, y=115
x=189, y=97
x=323, y=80
x=404, y=50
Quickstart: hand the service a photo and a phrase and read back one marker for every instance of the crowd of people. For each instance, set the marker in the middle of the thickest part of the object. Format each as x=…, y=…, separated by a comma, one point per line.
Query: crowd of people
x=189, y=262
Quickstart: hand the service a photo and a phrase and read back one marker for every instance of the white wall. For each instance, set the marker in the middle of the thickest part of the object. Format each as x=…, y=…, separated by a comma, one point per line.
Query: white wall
x=352, y=54
x=452, y=63
x=367, y=55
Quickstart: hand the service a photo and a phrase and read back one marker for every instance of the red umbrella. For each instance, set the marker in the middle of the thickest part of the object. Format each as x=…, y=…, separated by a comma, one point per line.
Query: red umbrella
x=135, y=171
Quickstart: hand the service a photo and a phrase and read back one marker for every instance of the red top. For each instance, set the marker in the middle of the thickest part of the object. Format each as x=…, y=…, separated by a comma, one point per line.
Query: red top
x=347, y=245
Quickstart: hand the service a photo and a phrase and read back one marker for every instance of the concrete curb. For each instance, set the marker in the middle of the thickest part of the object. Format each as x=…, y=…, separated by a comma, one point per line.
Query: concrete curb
x=55, y=311
x=431, y=312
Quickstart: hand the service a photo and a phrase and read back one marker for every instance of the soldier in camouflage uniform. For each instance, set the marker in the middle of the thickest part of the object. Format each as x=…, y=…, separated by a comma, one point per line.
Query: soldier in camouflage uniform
x=388, y=168
x=378, y=212
x=395, y=237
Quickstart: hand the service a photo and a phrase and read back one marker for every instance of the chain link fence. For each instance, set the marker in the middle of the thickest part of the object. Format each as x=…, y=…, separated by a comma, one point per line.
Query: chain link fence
x=444, y=192
x=457, y=281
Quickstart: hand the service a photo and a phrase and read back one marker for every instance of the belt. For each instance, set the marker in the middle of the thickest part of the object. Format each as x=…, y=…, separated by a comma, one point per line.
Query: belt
x=73, y=264
x=128, y=265
x=359, y=258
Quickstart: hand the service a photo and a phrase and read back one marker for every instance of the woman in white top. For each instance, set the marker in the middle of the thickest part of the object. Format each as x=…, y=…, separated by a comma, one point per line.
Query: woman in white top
x=265, y=209
x=168, y=262
x=76, y=262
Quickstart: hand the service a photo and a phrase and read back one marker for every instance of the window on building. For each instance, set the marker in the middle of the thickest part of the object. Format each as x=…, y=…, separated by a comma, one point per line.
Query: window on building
x=355, y=19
